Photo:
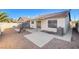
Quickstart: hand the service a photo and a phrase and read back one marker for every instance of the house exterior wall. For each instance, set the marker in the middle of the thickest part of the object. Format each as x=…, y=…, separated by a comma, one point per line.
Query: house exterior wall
x=60, y=23
x=45, y=27
x=32, y=25
x=67, y=24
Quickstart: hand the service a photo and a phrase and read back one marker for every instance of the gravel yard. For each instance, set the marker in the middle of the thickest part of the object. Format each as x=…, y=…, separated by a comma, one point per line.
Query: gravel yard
x=13, y=40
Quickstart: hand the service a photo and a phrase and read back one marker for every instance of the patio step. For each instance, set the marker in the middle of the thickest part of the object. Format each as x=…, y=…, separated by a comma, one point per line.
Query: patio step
x=33, y=30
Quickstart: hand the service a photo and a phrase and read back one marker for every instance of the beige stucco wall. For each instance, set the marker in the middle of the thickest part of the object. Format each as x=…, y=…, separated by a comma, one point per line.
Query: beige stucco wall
x=61, y=22
x=33, y=25
x=4, y=26
x=44, y=26
x=67, y=24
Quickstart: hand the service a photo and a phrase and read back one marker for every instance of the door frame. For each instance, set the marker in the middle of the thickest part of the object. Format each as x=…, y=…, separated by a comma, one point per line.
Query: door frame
x=38, y=24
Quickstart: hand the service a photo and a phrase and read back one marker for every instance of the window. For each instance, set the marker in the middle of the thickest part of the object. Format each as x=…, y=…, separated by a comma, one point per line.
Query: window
x=52, y=23
x=32, y=22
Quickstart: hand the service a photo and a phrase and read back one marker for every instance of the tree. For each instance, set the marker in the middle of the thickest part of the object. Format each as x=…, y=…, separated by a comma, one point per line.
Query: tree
x=4, y=17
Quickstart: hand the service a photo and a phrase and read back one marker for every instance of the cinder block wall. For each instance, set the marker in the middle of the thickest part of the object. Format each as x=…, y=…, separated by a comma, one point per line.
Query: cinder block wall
x=4, y=26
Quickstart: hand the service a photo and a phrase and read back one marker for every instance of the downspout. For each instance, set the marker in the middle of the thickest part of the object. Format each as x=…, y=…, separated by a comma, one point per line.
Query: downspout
x=69, y=15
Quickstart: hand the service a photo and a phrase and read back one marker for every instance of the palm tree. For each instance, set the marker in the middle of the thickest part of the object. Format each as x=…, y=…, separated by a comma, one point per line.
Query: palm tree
x=4, y=17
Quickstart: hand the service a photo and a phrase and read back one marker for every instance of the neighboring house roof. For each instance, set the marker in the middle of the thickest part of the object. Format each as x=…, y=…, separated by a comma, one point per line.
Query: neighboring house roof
x=53, y=15
x=23, y=19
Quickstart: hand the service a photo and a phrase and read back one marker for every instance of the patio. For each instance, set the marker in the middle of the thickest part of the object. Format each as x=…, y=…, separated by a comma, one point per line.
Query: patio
x=41, y=38
x=13, y=40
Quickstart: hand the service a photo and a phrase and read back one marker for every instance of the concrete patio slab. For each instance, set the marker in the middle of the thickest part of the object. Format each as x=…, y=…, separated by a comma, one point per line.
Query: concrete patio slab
x=66, y=37
x=33, y=30
x=42, y=38
x=39, y=38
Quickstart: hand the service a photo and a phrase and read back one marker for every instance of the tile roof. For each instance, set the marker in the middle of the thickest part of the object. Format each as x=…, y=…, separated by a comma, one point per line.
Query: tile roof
x=23, y=19
x=53, y=15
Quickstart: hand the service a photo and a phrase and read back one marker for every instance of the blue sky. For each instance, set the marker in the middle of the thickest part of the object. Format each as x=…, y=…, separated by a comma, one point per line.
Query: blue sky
x=16, y=13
